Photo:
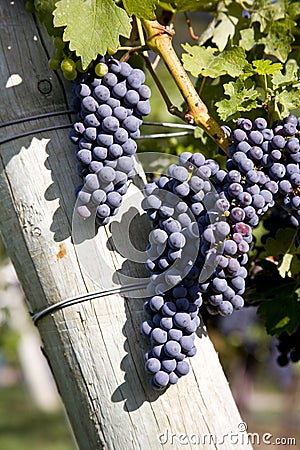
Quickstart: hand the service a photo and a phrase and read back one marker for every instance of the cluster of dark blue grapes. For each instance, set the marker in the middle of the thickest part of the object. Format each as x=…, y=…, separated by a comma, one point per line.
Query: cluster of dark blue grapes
x=203, y=218
x=192, y=260
x=269, y=159
x=109, y=120
x=289, y=347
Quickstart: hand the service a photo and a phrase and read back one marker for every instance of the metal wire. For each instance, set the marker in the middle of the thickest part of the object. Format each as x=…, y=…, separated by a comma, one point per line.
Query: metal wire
x=85, y=297
x=164, y=135
x=29, y=133
x=36, y=117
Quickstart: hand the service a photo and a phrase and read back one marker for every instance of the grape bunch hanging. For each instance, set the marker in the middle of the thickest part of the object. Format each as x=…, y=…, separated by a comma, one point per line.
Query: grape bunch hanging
x=110, y=114
x=263, y=168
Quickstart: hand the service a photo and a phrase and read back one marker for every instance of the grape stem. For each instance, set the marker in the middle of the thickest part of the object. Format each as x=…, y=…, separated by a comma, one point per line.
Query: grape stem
x=160, y=41
x=129, y=51
x=190, y=27
x=171, y=108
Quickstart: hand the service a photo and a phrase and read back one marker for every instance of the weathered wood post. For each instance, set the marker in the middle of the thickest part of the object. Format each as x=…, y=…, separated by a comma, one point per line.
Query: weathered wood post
x=94, y=349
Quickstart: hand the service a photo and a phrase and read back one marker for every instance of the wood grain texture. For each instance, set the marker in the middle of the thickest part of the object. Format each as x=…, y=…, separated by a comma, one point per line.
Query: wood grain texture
x=95, y=349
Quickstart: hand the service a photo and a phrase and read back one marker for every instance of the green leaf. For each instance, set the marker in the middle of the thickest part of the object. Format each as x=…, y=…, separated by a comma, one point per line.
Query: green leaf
x=288, y=100
x=224, y=30
x=266, y=12
x=209, y=63
x=279, y=39
x=167, y=6
x=293, y=10
x=266, y=67
x=45, y=14
x=281, y=311
x=198, y=59
x=247, y=40
x=242, y=97
x=143, y=9
x=290, y=75
x=194, y=5
x=282, y=243
x=285, y=265
x=199, y=133
x=283, y=248
x=100, y=25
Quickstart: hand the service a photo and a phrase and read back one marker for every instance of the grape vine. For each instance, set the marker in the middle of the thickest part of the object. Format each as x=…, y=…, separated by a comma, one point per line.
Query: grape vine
x=212, y=212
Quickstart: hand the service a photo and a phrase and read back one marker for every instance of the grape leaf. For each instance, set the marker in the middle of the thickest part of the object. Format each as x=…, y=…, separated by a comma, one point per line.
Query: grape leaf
x=266, y=12
x=279, y=39
x=208, y=32
x=198, y=59
x=288, y=100
x=45, y=14
x=101, y=22
x=194, y=5
x=290, y=75
x=285, y=265
x=199, y=133
x=144, y=9
x=283, y=241
x=293, y=10
x=209, y=63
x=281, y=311
x=247, y=40
x=283, y=248
x=242, y=95
x=224, y=30
x=266, y=67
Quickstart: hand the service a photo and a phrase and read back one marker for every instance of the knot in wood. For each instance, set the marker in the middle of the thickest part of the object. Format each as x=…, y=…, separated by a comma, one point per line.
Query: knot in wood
x=45, y=86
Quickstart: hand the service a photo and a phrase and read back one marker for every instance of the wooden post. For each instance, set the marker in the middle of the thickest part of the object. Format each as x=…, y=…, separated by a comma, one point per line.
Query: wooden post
x=94, y=349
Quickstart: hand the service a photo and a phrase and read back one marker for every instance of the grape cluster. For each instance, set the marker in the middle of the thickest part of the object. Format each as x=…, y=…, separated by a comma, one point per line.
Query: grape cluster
x=288, y=347
x=203, y=218
x=111, y=108
x=269, y=159
x=192, y=260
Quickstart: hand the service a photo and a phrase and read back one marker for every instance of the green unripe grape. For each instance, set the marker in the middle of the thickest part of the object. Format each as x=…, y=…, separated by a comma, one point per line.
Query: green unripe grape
x=54, y=63
x=68, y=66
x=70, y=75
x=59, y=54
x=101, y=69
x=111, y=51
x=59, y=43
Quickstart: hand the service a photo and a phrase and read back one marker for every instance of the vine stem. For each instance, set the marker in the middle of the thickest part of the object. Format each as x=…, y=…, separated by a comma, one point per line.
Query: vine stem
x=160, y=41
x=171, y=108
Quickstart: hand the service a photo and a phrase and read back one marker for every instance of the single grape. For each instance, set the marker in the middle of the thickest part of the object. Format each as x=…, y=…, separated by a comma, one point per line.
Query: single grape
x=160, y=379
x=101, y=69
x=168, y=365
x=143, y=107
x=182, y=368
x=101, y=93
x=172, y=348
x=152, y=365
x=103, y=111
x=110, y=80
